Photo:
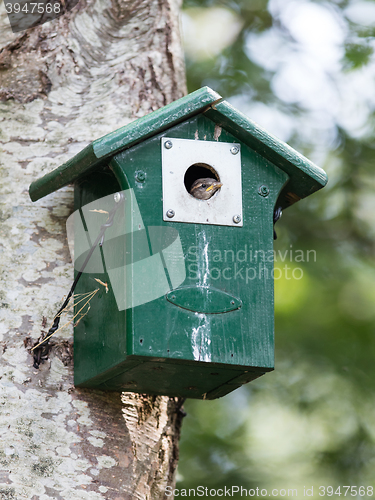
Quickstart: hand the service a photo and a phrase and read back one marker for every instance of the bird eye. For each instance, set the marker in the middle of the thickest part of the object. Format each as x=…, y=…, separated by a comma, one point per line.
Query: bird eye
x=204, y=185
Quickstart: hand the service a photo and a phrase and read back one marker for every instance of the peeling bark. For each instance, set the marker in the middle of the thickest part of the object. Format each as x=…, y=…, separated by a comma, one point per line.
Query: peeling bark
x=62, y=85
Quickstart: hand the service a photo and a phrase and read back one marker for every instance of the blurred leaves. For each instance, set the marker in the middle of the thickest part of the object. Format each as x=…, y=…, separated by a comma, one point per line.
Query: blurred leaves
x=229, y=72
x=357, y=55
x=219, y=437
x=305, y=70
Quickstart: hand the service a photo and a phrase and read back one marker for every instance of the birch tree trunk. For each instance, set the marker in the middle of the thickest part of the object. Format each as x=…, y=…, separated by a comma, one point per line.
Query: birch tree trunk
x=63, y=84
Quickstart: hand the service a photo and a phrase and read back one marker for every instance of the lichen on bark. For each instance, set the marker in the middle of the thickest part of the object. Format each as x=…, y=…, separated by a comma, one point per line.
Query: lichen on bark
x=62, y=85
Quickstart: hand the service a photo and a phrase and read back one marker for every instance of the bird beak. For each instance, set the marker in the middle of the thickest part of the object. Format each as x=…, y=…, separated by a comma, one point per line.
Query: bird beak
x=217, y=186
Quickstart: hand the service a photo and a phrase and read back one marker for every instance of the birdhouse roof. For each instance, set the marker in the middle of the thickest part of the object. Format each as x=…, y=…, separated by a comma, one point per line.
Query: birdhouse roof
x=304, y=176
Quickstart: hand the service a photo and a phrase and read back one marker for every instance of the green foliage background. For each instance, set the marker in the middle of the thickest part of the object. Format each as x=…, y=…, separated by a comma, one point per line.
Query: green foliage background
x=311, y=422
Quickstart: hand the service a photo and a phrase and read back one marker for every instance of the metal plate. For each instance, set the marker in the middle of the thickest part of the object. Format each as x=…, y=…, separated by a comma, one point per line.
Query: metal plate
x=225, y=206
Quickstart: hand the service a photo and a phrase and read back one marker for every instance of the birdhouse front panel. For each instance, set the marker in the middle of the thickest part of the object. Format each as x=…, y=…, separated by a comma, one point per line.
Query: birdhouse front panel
x=215, y=313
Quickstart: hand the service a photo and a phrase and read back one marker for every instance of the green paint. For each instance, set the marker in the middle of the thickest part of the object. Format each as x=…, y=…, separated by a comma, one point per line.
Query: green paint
x=214, y=331
x=98, y=152
x=203, y=299
x=305, y=177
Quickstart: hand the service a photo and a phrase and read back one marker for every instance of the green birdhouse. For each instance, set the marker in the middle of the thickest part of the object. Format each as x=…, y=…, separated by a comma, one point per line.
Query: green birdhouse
x=189, y=194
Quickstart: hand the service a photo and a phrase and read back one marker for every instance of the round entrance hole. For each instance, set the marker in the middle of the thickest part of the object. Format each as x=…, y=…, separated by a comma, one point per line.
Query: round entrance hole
x=199, y=171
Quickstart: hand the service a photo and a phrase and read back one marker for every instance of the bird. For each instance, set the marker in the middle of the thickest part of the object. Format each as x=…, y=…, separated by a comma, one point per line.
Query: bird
x=204, y=189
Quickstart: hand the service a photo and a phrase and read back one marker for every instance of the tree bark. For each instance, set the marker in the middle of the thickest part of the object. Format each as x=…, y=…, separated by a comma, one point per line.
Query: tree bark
x=63, y=84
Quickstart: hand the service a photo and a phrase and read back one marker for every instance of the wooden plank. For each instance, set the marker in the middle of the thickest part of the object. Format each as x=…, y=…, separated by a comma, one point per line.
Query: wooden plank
x=100, y=150
x=305, y=176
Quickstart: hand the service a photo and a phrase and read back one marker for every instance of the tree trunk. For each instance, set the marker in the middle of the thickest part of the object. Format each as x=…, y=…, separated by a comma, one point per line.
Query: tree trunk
x=63, y=84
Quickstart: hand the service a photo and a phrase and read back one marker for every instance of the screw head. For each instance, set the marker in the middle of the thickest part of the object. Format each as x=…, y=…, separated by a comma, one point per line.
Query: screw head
x=171, y=213
x=140, y=176
x=117, y=197
x=264, y=190
x=237, y=219
x=234, y=150
x=168, y=144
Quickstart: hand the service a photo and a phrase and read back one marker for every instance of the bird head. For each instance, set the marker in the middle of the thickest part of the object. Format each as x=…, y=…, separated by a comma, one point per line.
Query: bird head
x=204, y=189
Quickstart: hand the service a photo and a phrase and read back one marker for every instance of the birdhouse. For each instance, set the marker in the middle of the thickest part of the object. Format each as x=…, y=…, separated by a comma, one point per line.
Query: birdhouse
x=185, y=266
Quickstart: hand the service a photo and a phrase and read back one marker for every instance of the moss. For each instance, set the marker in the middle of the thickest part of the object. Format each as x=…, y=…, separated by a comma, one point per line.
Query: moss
x=24, y=425
x=44, y=467
x=7, y=493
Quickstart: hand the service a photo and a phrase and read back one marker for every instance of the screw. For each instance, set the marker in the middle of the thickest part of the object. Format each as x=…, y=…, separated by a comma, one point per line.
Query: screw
x=263, y=190
x=170, y=213
x=234, y=150
x=117, y=197
x=237, y=219
x=140, y=176
x=168, y=144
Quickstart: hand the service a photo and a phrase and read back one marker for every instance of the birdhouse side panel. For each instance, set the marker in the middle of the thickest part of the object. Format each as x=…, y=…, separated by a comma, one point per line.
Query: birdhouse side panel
x=100, y=327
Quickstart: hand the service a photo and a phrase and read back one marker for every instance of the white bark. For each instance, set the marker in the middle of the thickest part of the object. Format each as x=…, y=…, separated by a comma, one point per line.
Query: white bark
x=62, y=85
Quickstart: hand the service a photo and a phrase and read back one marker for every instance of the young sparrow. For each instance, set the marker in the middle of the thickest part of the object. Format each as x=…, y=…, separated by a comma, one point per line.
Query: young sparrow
x=204, y=189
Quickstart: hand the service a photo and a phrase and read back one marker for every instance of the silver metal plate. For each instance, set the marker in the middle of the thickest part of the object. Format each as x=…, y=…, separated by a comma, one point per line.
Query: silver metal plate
x=225, y=207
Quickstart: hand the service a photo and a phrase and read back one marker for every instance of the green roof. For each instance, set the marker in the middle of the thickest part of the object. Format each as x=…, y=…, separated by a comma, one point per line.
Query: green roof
x=305, y=176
